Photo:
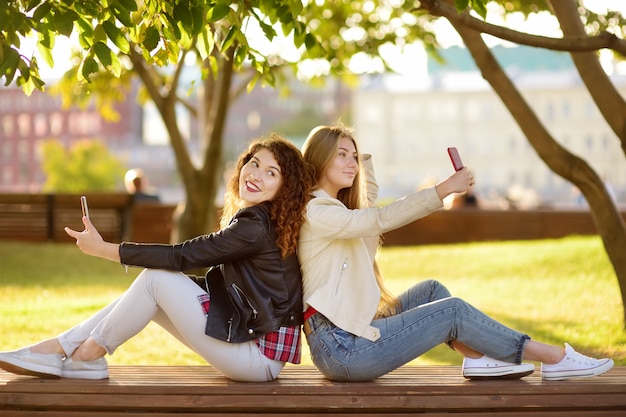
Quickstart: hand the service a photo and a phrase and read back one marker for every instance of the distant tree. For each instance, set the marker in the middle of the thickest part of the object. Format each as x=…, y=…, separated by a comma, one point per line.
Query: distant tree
x=156, y=40
x=86, y=166
x=584, y=34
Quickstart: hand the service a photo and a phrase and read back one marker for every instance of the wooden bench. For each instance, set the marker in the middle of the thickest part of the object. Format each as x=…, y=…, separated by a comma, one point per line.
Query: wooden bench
x=437, y=391
x=42, y=217
x=471, y=225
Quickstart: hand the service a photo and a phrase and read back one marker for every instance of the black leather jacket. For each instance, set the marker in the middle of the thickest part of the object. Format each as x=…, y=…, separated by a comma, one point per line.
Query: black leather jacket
x=253, y=289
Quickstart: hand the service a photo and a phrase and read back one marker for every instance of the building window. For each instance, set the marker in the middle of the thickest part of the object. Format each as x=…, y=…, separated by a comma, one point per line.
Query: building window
x=7, y=175
x=23, y=125
x=41, y=124
x=7, y=150
x=7, y=126
x=23, y=148
x=56, y=123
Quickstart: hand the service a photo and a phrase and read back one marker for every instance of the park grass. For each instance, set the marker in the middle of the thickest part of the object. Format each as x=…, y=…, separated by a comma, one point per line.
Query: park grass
x=554, y=290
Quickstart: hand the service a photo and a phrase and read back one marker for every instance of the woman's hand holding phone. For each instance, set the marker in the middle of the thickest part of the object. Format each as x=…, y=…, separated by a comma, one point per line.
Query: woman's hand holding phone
x=90, y=241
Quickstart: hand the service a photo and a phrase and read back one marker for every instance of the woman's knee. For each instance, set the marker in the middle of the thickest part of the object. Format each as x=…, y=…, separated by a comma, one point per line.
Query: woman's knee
x=440, y=289
x=152, y=277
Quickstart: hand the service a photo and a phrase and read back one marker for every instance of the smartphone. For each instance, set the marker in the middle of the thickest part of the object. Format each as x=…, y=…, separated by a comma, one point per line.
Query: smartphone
x=455, y=158
x=83, y=205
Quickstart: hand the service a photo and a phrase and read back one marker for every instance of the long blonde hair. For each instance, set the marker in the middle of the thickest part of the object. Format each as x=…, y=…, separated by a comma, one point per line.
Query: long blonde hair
x=319, y=150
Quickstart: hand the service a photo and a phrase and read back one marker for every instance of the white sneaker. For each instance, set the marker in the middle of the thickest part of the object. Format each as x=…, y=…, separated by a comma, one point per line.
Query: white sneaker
x=487, y=368
x=25, y=362
x=96, y=369
x=575, y=365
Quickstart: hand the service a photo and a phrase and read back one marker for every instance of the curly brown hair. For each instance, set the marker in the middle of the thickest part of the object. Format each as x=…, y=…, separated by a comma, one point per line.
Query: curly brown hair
x=289, y=204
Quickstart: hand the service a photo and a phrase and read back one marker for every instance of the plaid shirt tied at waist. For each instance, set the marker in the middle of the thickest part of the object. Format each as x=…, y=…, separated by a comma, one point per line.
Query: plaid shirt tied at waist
x=282, y=345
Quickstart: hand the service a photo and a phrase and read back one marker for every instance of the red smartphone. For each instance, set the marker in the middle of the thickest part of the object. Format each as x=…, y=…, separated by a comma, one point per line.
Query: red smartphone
x=455, y=158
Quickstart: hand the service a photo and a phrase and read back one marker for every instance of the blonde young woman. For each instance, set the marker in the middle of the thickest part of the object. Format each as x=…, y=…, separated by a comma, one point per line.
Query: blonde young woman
x=243, y=317
x=356, y=330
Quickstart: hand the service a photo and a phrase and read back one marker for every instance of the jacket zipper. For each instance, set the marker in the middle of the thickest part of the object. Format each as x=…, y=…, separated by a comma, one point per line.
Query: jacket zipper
x=242, y=297
x=230, y=328
x=344, y=266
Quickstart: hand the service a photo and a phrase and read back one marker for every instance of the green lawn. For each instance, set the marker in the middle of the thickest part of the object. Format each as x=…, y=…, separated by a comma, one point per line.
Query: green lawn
x=555, y=290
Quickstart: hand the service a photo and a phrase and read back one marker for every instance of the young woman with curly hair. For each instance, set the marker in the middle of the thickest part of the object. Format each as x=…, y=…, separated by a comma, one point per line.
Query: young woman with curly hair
x=243, y=317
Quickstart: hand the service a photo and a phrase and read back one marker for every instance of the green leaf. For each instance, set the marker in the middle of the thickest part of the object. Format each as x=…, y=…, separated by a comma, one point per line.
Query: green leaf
x=116, y=36
x=87, y=67
x=30, y=4
x=122, y=14
x=151, y=38
x=240, y=55
x=218, y=12
x=309, y=41
x=170, y=28
x=252, y=83
x=296, y=7
x=28, y=86
x=479, y=7
x=205, y=43
x=42, y=11
x=461, y=4
x=229, y=39
x=183, y=15
x=284, y=14
x=110, y=61
x=161, y=58
x=8, y=65
x=87, y=8
x=64, y=22
x=299, y=34
x=129, y=4
x=103, y=53
x=268, y=30
x=45, y=48
x=85, y=33
x=198, y=21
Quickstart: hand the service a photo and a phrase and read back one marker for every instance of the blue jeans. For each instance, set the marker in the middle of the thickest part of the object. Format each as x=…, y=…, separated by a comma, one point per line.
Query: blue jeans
x=429, y=316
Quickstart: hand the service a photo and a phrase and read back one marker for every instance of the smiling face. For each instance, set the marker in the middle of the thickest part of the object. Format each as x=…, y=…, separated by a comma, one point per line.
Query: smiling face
x=341, y=172
x=260, y=179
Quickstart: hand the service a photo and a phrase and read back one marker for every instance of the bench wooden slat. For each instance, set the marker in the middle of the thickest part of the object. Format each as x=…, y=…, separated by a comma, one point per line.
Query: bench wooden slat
x=260, y=413
x=301, y=390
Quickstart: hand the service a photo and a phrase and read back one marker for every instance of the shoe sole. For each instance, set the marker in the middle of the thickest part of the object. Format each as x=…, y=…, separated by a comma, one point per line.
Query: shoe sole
x=43, y=372
x=506, y=375
x=86, y=374
x=587, y=373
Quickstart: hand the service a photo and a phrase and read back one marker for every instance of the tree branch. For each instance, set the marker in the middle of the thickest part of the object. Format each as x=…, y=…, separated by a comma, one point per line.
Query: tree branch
x=605, y=40
x=147, y=77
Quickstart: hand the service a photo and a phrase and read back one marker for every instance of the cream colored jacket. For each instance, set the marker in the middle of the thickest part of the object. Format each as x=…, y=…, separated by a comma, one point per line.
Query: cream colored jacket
x=337, y=247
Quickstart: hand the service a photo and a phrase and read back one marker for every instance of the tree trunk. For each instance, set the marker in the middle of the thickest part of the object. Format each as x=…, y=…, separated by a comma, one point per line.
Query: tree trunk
x=199, y=215
x=612, y=106
x=607, y=98
x=608, y=220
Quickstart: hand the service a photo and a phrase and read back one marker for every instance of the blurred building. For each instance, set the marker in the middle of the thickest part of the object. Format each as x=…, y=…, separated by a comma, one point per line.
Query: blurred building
x=140, y=139
x=408, y=124
x=26, y=121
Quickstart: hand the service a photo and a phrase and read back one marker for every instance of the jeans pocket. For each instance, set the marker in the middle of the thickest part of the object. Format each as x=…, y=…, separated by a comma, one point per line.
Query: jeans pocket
x=345, y=340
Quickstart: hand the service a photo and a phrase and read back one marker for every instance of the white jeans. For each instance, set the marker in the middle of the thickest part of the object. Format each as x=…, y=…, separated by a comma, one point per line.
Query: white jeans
x=170, y=299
